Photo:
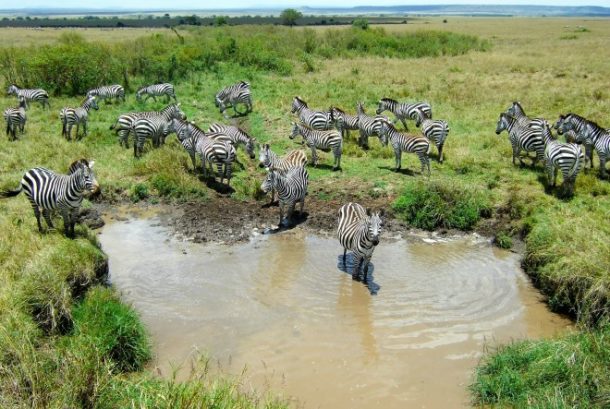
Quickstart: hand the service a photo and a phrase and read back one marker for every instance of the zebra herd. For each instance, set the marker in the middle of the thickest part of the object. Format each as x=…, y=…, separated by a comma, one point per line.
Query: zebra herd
x=535, y=135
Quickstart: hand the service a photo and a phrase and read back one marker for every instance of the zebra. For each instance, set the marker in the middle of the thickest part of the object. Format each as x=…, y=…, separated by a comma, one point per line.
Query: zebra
x=155, y=127
x=521, y=137
x=108, y=92
x=368, y=125
x=212, y=148
x=71, y=116
x=436, y=130
x=402, y=142
x=359, y=232
x=234, y=135
x=15, y=119
x=155, y=91
x=589, y=133
x=517, y=111
x=48, y=191
x=123, y=123
x=232, y=95
x=567, y=157
x=269, y=159
x=39, y=95
x=323, y=140
x=343, y=122
x=318, y=120
x=291, y=187
x=403, y=110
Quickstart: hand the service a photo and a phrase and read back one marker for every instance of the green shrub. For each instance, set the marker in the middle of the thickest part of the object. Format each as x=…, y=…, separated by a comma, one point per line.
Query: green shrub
x=139, y=191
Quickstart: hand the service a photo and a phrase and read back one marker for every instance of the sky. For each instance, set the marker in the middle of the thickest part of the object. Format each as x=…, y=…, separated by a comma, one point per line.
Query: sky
x=226, y=4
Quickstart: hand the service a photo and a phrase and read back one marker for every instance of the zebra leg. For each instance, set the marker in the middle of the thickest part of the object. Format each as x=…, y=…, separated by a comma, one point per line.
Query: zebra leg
x=47, y=216
x=555, y=170
x=66, y=216
x=404, y=123
x=37, y=214
x=440, y=153
x=397, y=159
x=602, y=164
x=549, y=173
x=345, y=258
x=356, y=268
x=314, y=156
x=365, y=269
x=337, y=161
x=589, y=156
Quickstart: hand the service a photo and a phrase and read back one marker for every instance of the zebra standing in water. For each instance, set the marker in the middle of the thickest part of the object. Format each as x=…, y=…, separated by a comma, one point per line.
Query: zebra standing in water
x=521, y=137
x=155, y=91
x=125, y=121
x=48, y=191
x=402, y=110
x=401, y=142
x=436, y=130
x=234, y=135
x=318, y=120
x=359, y=232
x=567, y=157
x=323, y=140
x=108, y=92
x=232, y=95
x=212, y=148
x=155, y=128
x=589, y=133
x=291, y=187
x=368, y=125
x=343, y=122
x=76, y=116
x=15, y=119
x=39, y=95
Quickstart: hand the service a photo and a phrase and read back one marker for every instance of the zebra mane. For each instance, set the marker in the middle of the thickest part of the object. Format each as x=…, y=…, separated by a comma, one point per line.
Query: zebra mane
x=247, y=84
x=585, y=120
x=336, y=108
x=393, y=101
x=77, y=164
x=301, y=101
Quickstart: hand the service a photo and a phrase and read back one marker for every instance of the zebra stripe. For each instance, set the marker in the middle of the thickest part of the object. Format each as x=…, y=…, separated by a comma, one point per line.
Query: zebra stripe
x=522, y=137
x=124, y=122
x=318, y=120
x=403, y=110
x=234, y=135
x=567, y=157
x=155, y=91
x=76, y=116
x=15, y=119
x=108, y=92
x=358, y=232
x=233, y=95
x=589, y=133
x=517, y=111
x=343, y=122
x=368, y=125
x=155, y=128
x=48, y=191
x=402, y=142
x=39, y=95
x=323, y=140
x=212, y=148
x=269, y=159
x=436, y=130
x=291, y=187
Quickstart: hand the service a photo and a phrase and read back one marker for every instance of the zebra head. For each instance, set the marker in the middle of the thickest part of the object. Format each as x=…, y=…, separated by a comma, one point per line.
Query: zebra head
x=515, y=109
x=92, y=93
x=250, y=147
x=504, y=123
x=264, y=157
x=297, y=105
x=419, y=117
x=336, y=114
x=296, y=130
x=269, y=181
x=91, y=102
x=12, y=89
x=384, y=129
x=385, y=104
x=23, y=103
x=139, y=94
x=374, y=224
x=360, y=108
x=82, y=170
x=174, y=111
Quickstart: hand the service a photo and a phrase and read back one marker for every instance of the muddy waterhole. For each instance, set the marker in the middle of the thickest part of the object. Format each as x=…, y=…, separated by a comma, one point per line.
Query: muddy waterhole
x=281, y=307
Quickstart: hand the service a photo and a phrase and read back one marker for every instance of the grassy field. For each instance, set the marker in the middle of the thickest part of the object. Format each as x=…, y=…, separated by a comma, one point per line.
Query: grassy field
x=551, y=66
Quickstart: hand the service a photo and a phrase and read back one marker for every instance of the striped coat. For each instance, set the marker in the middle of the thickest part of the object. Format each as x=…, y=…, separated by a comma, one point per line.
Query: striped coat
x=15, y=119
x=48, y=191
x=234, y=135
x=233, y=95
x=403, y=110
x=323, y=140
x=124, y=122
x=157, y=90
x=343, y=122
x=291, y=187
x=368, y=125
x=318, y=120
x=567, y=157
x=358, y=231
x=522, y=137
x=76, y=116
x=402, y=142
x=115, y=91
x=39, y=95
x=155, y=128
x=436, y=130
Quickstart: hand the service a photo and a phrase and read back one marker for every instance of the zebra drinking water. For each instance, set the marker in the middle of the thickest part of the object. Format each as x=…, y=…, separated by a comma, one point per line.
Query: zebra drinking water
x=157, y=90
x=15, y=119
x=76, y=116
x=323, y=140
x=39, y=95
x=403, y=110
x=436, y=130
x=522, y=137
x=402, y=142
x=291, y=187
x=567, y=157
x=318, y=120
x=233, y=95
x=358, y=231
x=48, y=191
x=115, y=91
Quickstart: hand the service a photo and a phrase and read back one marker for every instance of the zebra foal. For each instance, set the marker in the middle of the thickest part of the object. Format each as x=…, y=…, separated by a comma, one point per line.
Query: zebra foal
x=323, y=140
x=358, y=231
x=402, y=142
x=76, y=116
x=368, y=125
x=48, y=191
x=291, y=187
x=436, y=130
x=15, y=119
x=156, y=90
x=115, y=91
x=403, y=110
x=343, y=121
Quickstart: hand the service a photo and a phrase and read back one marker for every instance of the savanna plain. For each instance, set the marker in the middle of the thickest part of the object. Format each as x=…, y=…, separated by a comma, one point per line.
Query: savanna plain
x=67, y=339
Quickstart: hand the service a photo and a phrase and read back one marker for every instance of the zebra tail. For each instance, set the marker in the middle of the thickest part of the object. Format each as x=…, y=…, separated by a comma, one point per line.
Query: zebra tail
x=576, y=165
x=11, y=193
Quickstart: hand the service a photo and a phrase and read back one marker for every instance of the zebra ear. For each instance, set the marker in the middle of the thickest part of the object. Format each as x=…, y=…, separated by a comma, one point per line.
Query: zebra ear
x=382, y=213
x=368, y=211
x=91, y=164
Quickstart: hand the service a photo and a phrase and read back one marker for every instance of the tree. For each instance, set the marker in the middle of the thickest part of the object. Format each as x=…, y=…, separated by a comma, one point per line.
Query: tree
x=361, y=23
x=290, y=16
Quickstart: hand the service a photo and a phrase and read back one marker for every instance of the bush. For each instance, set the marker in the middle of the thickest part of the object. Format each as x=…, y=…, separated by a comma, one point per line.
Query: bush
x=361, y=23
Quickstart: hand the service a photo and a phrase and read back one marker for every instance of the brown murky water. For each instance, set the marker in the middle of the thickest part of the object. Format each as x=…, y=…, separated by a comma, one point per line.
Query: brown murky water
x=280, y=306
